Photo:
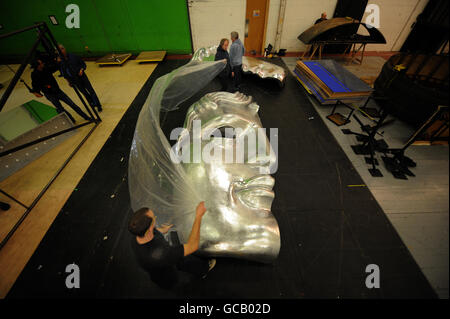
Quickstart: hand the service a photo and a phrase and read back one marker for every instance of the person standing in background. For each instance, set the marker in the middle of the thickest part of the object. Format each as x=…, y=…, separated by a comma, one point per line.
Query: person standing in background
x=42, y=81
x=237, y=51
x=222, y=54
x=73, y=70
x=323, y=17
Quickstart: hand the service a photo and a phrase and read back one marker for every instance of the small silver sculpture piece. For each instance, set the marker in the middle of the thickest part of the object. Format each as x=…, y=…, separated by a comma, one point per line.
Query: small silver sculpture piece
x=263, y=69
x=259, y=67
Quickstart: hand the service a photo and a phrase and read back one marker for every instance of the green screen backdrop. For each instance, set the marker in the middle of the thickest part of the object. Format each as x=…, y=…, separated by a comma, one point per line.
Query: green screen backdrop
x=105, y=25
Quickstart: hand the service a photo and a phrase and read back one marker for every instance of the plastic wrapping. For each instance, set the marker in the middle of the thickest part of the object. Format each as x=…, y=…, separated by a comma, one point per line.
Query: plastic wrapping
x=152, y=174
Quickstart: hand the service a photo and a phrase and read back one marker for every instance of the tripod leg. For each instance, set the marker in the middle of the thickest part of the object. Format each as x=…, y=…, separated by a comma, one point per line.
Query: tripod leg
x=374, y=171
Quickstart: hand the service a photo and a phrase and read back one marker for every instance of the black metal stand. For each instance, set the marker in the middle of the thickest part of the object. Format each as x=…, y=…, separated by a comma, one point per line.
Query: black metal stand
x=369, y=143
x=49, y=44
x=397, y=162
x=338, y=118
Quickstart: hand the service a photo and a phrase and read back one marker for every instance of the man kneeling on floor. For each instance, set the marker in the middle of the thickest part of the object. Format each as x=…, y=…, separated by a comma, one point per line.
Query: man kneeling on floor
x=157, y=257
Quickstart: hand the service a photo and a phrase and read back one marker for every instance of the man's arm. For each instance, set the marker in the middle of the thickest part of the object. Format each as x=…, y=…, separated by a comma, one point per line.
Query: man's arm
x=194, y=238
x=232, y=53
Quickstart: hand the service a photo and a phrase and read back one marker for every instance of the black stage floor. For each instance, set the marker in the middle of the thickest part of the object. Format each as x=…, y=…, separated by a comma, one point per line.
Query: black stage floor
x=330, y=232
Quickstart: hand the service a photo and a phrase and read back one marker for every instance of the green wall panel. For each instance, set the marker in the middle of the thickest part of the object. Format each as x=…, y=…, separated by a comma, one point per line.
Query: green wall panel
x=105, y=25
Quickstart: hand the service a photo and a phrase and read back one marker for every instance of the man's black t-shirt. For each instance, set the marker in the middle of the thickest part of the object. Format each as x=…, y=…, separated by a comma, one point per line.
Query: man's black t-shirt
x=157, y=257
x=44, y=80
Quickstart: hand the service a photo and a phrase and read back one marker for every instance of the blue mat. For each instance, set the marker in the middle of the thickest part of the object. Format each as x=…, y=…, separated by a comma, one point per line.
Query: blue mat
x=327, y=77
x=336, y=77
x=319, y=97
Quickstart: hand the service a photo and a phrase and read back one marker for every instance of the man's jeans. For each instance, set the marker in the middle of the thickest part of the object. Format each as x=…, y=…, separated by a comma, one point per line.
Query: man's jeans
x=55, y=98
x=85, y=87
x=237, y=69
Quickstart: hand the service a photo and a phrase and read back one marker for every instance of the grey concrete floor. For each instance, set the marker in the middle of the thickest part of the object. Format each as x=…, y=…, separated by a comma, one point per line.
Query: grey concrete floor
x=418, y=207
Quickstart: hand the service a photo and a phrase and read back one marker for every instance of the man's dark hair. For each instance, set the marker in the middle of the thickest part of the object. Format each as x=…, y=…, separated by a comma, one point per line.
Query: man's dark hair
x=140, y=222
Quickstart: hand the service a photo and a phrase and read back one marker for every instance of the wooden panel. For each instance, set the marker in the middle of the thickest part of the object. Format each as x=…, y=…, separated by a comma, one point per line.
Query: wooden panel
x=151, y=56
x=113, y=59
x=311, y=33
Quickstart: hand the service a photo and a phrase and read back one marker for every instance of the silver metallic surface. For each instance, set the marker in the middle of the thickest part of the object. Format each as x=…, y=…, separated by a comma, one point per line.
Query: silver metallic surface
x=239, y=222
x=238, y=196
x=263, y=68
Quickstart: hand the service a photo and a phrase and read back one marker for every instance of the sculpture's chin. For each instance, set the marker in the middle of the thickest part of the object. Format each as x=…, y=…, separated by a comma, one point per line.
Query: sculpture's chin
x=265, y=248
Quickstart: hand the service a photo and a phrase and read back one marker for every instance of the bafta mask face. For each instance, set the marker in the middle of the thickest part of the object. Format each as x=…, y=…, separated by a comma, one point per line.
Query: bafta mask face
x=237, y=188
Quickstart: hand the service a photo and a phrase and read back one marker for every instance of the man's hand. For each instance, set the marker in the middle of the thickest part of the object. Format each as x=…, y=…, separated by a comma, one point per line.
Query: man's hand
x=37, y=94
x=81, y=72
x=165, y=228
x=194, y=238
x=58, y=59
x=232, y=74
x=201, y=209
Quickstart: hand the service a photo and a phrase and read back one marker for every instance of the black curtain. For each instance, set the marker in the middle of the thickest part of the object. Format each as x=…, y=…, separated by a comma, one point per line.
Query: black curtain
x=347, y=8
x=431, y=29
x=350, y=8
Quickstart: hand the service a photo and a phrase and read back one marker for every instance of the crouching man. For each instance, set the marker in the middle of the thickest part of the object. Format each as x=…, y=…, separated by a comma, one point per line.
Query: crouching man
x=157, y=257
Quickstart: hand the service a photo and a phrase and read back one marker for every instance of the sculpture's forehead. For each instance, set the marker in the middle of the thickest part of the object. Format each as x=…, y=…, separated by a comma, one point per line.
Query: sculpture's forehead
x=221, y=108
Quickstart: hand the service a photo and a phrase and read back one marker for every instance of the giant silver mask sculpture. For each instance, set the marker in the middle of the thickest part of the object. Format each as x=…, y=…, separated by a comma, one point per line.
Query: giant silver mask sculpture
x=238, y=196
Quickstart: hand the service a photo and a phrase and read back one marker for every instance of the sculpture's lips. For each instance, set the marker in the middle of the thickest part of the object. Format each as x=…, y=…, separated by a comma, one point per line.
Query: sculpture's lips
x=256, y=197
x=255, y=193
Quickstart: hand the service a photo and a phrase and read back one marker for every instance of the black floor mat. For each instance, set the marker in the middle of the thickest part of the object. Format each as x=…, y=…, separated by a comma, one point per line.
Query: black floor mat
x=329, y=232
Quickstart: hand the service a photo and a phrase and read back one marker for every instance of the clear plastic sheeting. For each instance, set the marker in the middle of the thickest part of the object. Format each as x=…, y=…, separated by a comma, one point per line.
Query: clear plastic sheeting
x=153, y=177
x=203, y=54
x=238, y=197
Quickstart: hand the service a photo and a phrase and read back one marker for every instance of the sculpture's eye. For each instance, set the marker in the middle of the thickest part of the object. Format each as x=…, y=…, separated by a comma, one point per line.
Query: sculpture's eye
x=224, y=131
